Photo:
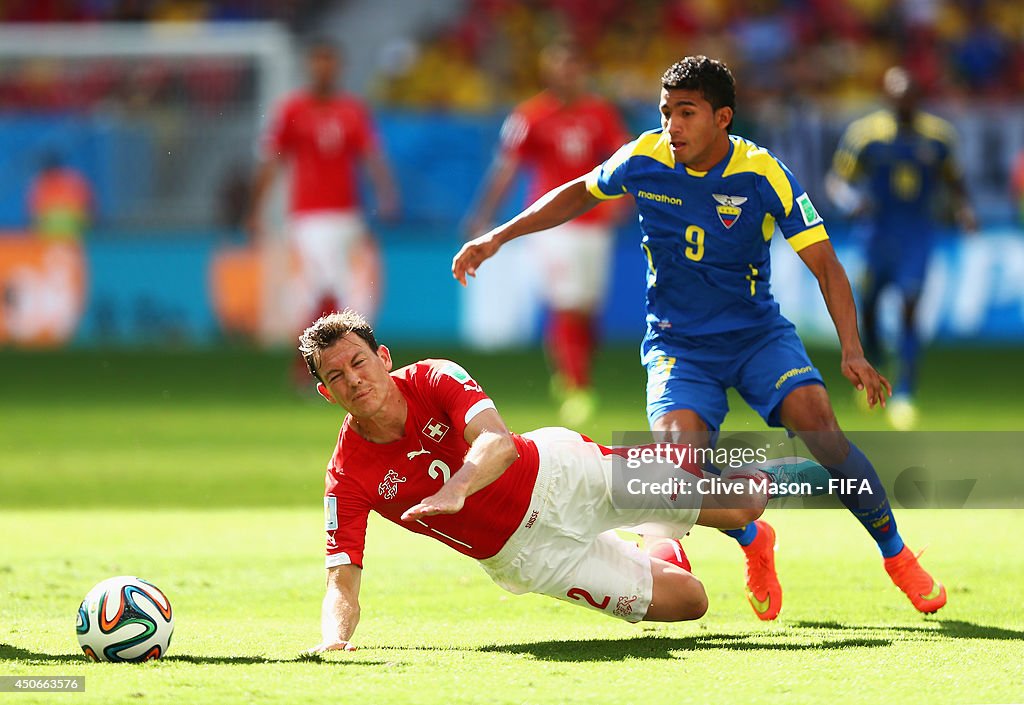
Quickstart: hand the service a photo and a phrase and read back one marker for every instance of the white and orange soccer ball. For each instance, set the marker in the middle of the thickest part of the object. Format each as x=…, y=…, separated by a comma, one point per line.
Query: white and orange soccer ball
x=125, y=619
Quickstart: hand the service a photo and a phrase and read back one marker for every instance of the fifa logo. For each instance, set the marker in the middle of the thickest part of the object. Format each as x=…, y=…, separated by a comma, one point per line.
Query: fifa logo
x=388, y=487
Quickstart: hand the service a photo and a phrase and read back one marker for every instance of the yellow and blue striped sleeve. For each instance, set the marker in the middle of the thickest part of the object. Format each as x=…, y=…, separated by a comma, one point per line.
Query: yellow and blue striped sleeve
x=790, y=205
x=607, y=181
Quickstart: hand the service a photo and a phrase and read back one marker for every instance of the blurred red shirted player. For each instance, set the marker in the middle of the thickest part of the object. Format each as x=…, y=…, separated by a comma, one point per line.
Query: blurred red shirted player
x=324, y=135
x=558, y=134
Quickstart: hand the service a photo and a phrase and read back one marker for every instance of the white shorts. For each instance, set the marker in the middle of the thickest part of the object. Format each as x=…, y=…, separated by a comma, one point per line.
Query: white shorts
x=573, y=261
x=566, y=546
x=333, y=260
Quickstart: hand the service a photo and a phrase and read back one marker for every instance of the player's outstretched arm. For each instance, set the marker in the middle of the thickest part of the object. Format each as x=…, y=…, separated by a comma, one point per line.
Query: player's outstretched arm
x=491, y=451
x=340, y=612
x=821, y=259
x=557, y=206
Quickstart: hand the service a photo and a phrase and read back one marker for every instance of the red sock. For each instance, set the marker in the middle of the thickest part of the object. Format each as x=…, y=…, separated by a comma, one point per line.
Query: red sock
x=570, y=340
x=671, y=551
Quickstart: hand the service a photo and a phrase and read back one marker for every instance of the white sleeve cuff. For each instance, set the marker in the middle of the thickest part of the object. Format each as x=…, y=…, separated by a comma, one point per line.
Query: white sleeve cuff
x=337, y=559
x=482, y=405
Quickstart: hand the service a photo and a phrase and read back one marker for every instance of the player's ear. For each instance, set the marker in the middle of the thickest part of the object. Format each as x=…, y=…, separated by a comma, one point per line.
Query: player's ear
x=385, y=355
x=723, y=117
x=322, y=389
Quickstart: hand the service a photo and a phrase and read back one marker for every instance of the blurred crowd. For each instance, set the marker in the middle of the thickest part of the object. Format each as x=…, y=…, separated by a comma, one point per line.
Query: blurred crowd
x=485, y=59
x=149, y=10
x=835, y=49
x=50, y=84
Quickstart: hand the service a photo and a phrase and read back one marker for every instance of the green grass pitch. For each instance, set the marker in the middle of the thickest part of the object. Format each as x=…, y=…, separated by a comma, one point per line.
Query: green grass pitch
x=203, y=473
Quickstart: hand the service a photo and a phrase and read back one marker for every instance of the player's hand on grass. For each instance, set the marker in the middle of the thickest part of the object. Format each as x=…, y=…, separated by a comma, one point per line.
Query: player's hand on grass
x=472, y=255
x=866, y=378
x=324, y=647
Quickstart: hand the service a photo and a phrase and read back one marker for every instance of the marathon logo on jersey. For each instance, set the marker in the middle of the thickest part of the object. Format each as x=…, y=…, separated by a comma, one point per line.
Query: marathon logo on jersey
x=729, y=208
x=388, y=487
x=660, y=198
x=435, y=430
x=807, y=210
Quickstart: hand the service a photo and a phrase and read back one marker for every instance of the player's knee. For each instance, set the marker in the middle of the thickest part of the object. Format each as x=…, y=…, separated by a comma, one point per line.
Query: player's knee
x=740, y=516
x=752, y=512
x=695, y=603
x=745, y=507
x=677, y=596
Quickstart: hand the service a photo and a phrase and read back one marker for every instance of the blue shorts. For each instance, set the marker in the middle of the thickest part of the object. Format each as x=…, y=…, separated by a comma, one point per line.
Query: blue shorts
x=907, y=276
x=902, y=265
x=763, y=364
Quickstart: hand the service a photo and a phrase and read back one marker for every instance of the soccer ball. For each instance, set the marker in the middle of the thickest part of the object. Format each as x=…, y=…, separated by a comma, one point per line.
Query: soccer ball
x=125, y=619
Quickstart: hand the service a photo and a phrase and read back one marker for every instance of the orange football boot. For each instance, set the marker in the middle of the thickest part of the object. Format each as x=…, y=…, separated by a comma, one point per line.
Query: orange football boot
x=764, y=593
x=925, y=592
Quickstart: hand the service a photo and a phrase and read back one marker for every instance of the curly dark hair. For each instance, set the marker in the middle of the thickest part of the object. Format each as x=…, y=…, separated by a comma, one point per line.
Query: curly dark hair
x=709, y=76
x=328, y=330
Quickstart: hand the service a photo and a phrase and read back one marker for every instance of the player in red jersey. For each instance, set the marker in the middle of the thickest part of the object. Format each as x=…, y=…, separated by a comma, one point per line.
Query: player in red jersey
x=558, y=135
x=324, y=135
x=426, y=448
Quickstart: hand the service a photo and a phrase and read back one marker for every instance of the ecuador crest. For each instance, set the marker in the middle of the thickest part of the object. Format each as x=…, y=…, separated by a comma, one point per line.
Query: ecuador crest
x=729, y=208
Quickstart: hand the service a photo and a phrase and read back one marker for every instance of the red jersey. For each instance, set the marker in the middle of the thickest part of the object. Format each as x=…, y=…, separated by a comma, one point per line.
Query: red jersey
x=391, y=477
x=324, y=139
x=560, y=142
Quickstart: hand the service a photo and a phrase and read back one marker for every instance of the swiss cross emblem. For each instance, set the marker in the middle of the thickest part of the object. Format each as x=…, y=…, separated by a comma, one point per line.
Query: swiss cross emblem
x=435, y=430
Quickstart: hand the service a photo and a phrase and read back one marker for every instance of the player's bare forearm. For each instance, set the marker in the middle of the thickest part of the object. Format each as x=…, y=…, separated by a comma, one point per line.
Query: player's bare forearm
x=340, y=610
x=821, y=259
x=557, y=206
x=490, y=453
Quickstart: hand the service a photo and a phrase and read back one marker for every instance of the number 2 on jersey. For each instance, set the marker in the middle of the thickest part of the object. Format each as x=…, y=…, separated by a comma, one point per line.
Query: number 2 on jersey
x=694, y=235
x=439, y=467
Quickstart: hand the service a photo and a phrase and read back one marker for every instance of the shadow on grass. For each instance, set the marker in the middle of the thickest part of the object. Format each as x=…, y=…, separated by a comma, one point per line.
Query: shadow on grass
x=15, y=653
x=946, y=628
x=661, y=647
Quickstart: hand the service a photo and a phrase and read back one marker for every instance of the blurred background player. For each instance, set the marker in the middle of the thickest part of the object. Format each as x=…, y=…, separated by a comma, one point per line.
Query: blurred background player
x=558, y=135
x=60, y=200
x=324, y=135
x=903, y=159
